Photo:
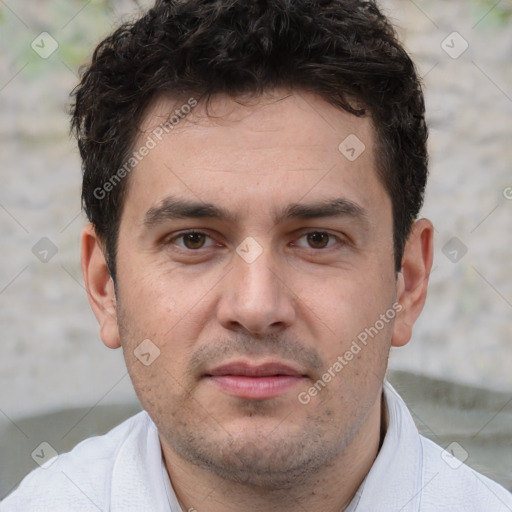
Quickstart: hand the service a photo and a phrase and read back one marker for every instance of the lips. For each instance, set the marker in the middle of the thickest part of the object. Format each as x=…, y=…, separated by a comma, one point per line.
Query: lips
x=256, y=382
x=262, y=370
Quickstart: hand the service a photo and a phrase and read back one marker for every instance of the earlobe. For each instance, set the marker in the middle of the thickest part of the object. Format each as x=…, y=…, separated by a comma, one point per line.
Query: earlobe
x=412, y=280
x=99, y=286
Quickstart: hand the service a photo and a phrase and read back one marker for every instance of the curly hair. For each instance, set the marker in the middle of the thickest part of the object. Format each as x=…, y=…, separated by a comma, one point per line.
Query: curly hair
x=345, y=51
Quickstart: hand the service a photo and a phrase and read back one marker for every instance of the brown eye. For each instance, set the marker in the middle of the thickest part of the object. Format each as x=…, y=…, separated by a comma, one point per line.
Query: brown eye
x=193, y=240
x=318, y=240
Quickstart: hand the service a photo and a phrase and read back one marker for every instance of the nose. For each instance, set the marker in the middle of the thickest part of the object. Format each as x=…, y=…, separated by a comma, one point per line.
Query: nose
x=256, y=297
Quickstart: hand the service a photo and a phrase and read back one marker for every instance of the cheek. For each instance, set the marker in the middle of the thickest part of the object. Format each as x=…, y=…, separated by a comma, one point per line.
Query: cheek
x=350, y=302
x=148, y=297
x=167, y=311
x=356, y=346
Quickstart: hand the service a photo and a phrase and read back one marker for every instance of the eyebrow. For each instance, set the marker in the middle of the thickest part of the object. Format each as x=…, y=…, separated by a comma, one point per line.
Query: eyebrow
x=172, y=208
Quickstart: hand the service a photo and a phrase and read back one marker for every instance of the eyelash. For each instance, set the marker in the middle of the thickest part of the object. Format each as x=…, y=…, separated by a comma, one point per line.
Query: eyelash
x=181, y=235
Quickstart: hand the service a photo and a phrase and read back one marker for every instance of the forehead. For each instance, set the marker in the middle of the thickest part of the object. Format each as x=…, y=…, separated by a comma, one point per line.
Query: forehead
x=278, y=117
x=281, y=146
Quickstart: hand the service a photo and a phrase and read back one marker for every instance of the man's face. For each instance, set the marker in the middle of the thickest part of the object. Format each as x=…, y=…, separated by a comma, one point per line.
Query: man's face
x=253, y=309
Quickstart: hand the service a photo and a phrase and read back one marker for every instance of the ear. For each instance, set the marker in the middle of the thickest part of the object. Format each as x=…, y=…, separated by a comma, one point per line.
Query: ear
x=100, y=287
x=412, y=280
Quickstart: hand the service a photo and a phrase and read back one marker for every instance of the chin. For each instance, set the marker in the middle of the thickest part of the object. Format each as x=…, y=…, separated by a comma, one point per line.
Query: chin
x=259, y=453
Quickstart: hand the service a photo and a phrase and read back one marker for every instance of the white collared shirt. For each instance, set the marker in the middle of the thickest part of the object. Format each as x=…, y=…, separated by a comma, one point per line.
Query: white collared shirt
x=123, y=471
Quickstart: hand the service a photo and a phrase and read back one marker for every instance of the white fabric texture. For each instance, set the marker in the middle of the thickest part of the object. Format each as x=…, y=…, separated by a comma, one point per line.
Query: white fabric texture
x=123, y=471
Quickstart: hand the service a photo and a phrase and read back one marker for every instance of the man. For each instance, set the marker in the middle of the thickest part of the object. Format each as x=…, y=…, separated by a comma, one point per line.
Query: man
x=253, y=173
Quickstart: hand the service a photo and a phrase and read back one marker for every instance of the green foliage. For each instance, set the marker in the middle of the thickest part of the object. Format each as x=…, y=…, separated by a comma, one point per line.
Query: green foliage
x=76, y=25
x=494, y=13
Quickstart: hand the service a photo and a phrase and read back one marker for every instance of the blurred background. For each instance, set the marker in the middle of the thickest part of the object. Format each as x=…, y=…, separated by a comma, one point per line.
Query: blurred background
x=59, y=384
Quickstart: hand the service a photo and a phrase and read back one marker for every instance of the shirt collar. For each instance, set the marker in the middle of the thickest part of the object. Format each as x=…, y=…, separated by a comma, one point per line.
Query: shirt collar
x=138, y=481
x=394, y=481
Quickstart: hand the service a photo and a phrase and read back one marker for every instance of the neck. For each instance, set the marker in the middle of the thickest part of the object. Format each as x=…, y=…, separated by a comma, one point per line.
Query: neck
x=330, y=490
